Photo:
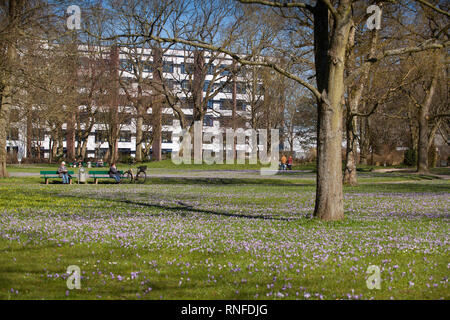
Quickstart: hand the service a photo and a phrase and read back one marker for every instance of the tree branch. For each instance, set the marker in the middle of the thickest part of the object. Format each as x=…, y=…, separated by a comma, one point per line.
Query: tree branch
x=240, y=59
x=433, y=7
x=279, y=4
x=422, y=47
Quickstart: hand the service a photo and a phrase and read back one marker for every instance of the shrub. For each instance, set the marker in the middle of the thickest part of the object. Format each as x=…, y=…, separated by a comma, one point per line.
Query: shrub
x=127, y=159
x=410, y=157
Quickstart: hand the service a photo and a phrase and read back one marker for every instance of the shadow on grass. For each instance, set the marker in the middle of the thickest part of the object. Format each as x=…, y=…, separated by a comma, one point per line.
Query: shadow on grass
x=190, y=209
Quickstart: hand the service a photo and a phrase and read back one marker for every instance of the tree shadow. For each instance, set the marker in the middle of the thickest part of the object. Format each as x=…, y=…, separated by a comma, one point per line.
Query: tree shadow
x=185, y=209
x=188, y=209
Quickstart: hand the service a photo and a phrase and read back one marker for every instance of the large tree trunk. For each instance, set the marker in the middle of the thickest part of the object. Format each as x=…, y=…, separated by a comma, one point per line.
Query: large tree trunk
x=354, y=99
x=139, y=124
x=13, y=18
x=422, y=158
x=365, y=140
x=351, y=155
x=5, y=108
x=70, y=137
x=156, y=128
x=54, y=139
x=157, y=105
x=114, y=129
x=330, y=64
x=29, y=148
x=84, y=148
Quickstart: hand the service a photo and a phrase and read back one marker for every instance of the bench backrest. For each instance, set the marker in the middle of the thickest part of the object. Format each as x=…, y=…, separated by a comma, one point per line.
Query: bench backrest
x=49, y=173
x=101, y=173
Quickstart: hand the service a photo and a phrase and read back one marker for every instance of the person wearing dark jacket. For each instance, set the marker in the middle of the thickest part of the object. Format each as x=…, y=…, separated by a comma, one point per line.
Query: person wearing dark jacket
x=114, y=173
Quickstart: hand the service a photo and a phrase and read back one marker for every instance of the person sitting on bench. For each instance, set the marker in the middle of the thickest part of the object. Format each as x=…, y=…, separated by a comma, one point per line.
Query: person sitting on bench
x=114, y=173
x=64, y=173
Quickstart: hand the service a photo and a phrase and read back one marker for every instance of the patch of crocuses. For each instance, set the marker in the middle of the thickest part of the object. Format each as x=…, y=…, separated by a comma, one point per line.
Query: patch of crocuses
x=261, y=242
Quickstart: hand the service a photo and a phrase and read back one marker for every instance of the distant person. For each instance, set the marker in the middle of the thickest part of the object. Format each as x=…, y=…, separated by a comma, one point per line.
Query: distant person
x=114, y=173
x=64, y=173
x=289, y=163
x=100, y=163
x=283, y=162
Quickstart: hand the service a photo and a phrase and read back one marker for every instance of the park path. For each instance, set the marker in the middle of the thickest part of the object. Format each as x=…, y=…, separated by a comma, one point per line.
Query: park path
x=243, y=174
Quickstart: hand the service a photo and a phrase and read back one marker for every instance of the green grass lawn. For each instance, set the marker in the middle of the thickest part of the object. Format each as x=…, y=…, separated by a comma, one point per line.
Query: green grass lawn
x=201, y=240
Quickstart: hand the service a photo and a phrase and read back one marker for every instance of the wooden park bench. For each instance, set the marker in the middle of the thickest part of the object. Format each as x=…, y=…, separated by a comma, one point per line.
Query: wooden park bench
x=101, y=175
x=54, y=175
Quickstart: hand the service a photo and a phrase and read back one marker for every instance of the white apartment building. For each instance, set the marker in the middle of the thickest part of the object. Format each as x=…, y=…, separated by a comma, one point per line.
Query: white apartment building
x=177, y=73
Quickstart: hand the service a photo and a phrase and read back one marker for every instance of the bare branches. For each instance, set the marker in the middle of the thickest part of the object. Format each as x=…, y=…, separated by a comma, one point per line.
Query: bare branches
x=330, y=7
x=279, y=4
x=422, y=47
x=240, y=59
x=429, y=5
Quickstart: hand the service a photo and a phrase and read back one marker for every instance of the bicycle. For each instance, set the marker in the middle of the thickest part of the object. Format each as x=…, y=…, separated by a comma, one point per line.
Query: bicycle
x=140, y=176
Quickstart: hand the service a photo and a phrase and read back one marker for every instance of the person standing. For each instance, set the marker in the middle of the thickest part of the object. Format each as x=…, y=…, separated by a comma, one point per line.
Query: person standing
x=290, y=161
x=283, y=162
x=64, y=173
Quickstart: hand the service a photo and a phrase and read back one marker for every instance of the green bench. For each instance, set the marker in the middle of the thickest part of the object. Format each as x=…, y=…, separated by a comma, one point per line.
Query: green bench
x=54, y=175
x=101, y=175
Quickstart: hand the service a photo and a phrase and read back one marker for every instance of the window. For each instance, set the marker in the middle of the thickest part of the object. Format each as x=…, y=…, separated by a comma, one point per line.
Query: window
x=206, y=85
x=166, y=137
x=240, y=88
x=125, y=136
x=211, y=69
x=101, y=136
x=210, y=104
x=208, y=121
x=186, y=85
x=168, y=67
x=241, y=105
x=228, y=88
x=226, y=104
x=225, y=70
x=126, y=65
x=167, y=119
x=80, y=134
x=13, y=134
x=147, y=136
x=187, y=68
x=147, y=66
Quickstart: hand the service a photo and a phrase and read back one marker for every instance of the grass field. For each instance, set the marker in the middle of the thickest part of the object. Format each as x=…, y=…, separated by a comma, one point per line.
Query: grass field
x=202, y=239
